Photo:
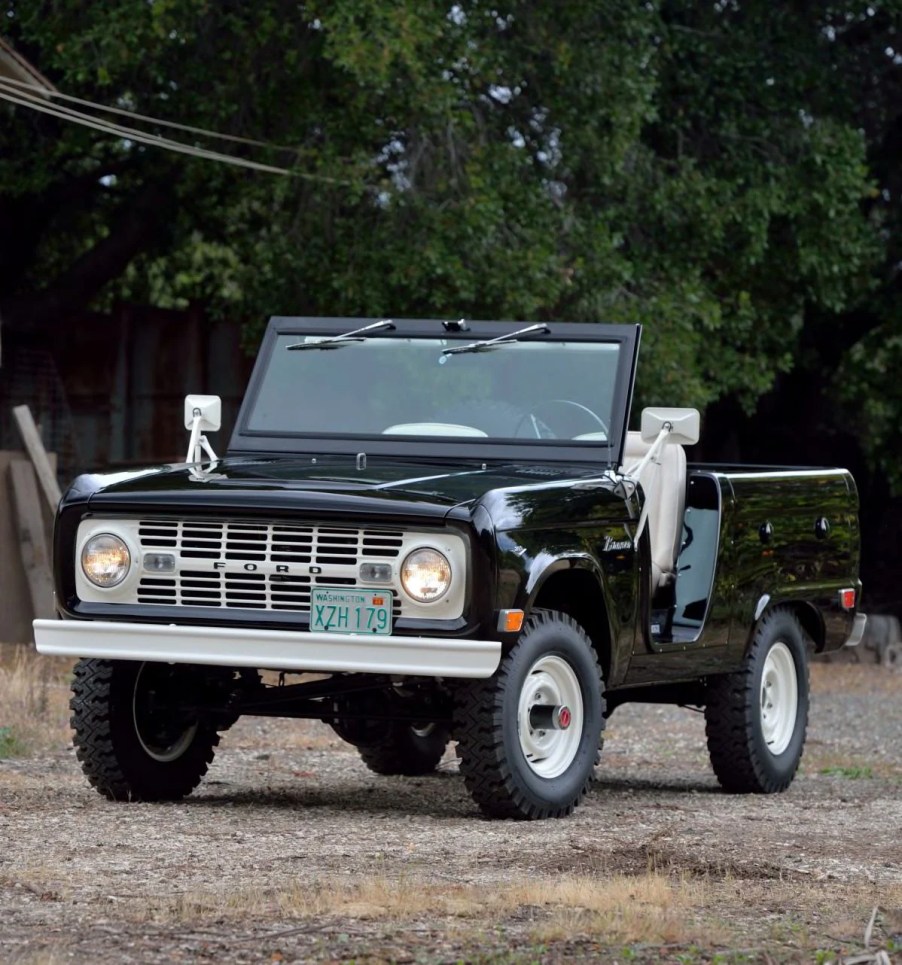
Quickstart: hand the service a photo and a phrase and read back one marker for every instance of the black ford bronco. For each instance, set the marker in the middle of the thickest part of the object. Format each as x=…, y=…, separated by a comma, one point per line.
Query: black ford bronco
x=434, y=530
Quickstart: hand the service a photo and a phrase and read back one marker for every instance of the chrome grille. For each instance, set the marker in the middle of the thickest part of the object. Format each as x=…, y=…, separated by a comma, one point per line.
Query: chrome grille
x=335, y=551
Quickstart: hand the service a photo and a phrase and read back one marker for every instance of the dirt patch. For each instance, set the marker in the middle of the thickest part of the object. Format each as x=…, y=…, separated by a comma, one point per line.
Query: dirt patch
x=292, y=851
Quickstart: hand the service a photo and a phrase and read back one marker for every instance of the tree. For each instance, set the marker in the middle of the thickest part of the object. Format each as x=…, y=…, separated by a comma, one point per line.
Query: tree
x=727, y=174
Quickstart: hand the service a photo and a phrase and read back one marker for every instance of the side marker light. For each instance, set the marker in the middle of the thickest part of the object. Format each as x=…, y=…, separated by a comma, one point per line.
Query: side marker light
x=510, y=621
x=847, y=599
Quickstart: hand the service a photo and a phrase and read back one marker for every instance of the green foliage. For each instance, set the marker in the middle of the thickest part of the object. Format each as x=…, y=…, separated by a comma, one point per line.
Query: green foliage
x=712, y=171
x=10, y=745
x=850, y=773
x=869, y=384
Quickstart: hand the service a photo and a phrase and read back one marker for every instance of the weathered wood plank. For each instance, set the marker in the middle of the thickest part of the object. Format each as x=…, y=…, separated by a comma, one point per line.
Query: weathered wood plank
x=32, y=538
x=38, y=455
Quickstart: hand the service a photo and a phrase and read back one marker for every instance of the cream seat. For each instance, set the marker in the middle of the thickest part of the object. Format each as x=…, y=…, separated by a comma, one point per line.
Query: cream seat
x=664, y=485
x=432, y=429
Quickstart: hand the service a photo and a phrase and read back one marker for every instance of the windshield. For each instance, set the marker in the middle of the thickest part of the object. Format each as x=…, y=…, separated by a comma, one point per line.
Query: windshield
x=539, y=389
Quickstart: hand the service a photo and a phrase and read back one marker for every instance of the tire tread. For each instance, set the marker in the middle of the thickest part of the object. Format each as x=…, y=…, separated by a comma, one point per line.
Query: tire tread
x=93, y=693
x=478, y=723
x=730, y=706
x=400, y=753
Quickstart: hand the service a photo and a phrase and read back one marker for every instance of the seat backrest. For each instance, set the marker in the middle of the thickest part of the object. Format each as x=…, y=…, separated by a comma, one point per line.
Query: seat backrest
x=664, y=485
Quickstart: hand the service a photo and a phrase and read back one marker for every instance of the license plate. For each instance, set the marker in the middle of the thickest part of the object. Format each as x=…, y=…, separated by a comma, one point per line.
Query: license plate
x=350, y=611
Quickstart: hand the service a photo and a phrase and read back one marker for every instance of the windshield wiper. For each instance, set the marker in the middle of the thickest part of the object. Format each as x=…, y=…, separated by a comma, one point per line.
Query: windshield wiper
x=336, y=340
x=486, y=345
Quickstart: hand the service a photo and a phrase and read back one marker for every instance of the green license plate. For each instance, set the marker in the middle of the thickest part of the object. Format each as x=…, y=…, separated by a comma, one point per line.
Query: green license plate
x=350, y=611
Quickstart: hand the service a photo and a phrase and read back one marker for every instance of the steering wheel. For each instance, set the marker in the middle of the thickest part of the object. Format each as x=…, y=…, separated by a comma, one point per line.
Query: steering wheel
x=539, y=424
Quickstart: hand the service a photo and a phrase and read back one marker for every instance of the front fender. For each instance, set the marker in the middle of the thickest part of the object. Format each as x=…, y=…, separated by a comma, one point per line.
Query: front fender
x=600, y=591
x=544, y=569
x=570, y=547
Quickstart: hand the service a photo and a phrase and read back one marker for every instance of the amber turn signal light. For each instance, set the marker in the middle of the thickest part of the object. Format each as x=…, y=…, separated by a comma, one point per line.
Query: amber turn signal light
x=510, y=621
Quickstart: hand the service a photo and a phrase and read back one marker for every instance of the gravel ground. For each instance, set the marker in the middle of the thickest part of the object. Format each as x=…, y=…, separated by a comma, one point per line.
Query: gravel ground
x=291, y=850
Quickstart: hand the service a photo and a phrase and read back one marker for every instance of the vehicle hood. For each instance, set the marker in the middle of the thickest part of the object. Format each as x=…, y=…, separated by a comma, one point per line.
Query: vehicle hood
x=328, y=484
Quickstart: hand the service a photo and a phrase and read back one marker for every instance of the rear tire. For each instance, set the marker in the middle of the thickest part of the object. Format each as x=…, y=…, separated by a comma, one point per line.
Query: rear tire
x=521, y=755
x=404, y=748
x=130, y=747
x=756, y=718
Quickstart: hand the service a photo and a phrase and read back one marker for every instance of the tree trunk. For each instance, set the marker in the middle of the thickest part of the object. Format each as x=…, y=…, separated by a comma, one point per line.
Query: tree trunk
x=139, y=225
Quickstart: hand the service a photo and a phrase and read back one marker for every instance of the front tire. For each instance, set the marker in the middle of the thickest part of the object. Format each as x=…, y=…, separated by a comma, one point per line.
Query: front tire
x=529, y=737
x=756, y=718
x=131, y=744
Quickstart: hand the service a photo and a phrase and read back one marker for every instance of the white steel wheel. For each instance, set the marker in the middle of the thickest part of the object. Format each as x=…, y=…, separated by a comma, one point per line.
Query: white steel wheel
x=161, y=738
x=756, y=717
x=550, y=716
x=528, y=737
x=779, y=698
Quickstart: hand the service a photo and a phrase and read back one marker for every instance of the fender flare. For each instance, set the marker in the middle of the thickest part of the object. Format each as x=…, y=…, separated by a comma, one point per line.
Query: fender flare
x=808, y=615
x=597, y=621
x=536, y=580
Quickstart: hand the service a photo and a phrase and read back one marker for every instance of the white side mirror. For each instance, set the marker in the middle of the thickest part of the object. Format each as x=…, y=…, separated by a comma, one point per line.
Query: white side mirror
x=682, y=425
x=208, y=407
x=203, y=413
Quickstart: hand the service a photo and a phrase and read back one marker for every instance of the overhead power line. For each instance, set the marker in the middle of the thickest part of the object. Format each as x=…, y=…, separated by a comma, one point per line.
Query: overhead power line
x=124, y=112
x=10, y=93
x=131, y=134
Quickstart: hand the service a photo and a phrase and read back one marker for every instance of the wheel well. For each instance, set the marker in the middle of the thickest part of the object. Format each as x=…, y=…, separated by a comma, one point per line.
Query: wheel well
x=808, y=616
x=812, y=622
x=577, y=593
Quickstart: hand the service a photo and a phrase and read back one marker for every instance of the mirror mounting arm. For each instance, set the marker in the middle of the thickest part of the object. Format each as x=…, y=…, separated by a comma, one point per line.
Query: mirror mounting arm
x=198, y=444
x=635, y=471
x=203, y=413
x=660, y=427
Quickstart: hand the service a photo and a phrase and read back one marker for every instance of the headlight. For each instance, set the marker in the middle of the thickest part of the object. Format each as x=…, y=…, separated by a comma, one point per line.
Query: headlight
x=426, y=575
x=105, y=560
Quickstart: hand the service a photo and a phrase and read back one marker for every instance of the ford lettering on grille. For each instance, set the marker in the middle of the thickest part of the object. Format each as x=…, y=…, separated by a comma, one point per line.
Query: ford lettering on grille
x=264, y=566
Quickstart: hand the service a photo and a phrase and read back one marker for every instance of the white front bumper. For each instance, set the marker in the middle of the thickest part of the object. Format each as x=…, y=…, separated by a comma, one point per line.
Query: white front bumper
x=269, y=649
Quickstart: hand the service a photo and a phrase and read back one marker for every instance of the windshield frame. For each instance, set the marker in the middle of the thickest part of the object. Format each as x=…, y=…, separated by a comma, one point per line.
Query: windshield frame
x=247, y=441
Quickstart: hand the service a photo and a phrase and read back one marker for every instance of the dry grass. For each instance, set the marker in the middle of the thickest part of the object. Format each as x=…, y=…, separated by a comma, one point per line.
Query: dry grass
x=621, y=910
x=37, y=879
x=623, y=907
x=49, y=955
x=650, y=909
x=841, y=679
x=34, y=702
